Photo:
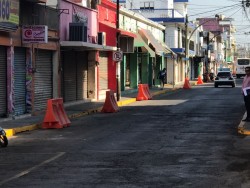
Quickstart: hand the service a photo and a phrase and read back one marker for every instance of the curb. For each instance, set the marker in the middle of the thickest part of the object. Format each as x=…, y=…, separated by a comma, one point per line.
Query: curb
x=14, y=131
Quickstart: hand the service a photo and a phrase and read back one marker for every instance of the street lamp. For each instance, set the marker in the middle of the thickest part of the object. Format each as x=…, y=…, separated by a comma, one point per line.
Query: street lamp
x=189, y=38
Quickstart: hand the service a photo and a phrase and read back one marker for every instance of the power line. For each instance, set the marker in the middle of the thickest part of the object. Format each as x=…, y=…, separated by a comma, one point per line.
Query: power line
x=231, y=6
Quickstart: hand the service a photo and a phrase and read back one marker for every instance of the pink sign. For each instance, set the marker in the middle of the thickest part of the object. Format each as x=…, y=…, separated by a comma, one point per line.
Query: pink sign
x=35, y=34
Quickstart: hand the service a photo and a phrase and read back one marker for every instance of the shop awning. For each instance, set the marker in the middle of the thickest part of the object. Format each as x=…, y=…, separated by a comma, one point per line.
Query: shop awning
x=139, y=42
x=167, y=49
x=78, y=45
x=148, y=37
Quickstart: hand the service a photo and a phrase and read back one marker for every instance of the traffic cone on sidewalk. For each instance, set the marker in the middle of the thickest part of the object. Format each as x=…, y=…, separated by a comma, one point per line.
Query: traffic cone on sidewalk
x=186, y=84
x=199, y=81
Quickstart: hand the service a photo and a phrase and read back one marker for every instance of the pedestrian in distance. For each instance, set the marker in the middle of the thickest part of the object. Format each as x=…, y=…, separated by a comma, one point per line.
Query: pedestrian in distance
x=246, y=94
x=162, y=77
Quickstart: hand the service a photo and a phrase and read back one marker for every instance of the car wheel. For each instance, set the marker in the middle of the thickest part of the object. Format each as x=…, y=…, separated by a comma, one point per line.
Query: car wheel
x=215, y=85
x=233, y=85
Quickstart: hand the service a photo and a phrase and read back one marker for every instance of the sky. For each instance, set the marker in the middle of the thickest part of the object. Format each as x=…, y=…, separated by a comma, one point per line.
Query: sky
x=229, y=8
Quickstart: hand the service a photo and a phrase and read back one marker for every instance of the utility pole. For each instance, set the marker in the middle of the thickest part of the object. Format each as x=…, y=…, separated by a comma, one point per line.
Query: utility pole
x=207, y=53
x=118, y=66
x=186, y=46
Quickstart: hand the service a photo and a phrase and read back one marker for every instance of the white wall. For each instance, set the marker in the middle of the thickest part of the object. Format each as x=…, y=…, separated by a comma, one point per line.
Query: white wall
x=171, y=36
x=180, y=8
x=135, y=4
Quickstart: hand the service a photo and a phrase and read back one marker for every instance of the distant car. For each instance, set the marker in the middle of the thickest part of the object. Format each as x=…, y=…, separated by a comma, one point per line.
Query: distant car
x=224, y=78
x=224, y=69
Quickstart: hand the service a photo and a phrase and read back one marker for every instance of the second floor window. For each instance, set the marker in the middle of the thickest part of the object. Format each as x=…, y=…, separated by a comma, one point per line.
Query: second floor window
x=147, y=5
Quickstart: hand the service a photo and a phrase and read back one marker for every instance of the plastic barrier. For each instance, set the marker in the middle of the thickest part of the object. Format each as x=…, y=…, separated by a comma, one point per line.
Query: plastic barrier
x=186, y=84
x=199, y=80
x=143, y=92
x=146, y=89
x=110, y=104
x=55, y=117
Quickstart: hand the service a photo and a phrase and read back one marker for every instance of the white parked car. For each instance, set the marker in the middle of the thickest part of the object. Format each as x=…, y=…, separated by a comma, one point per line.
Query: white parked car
x=224, y=78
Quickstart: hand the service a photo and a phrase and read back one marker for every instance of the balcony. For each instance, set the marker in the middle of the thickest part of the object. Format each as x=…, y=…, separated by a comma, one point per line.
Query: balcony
x=161, y=15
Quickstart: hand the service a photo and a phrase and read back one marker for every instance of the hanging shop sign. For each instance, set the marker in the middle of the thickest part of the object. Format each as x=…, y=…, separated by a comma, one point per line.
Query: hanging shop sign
x=35, y=34
x=9, y=15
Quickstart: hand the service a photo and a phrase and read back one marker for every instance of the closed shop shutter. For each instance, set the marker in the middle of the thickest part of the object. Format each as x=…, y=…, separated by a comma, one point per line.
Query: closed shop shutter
x=3, y=81
x=43, y=79
x=103, y=70
x=20, y=81
x=74, y=76
x=69, y=76
x=81, y=73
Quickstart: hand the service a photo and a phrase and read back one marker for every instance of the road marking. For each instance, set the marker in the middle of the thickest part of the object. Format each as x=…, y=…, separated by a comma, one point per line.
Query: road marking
x=32, y=168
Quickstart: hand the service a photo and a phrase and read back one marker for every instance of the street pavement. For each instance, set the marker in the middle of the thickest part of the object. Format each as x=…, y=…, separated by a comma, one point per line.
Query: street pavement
x=16, y=125
x=79, y=109
x=244, y=127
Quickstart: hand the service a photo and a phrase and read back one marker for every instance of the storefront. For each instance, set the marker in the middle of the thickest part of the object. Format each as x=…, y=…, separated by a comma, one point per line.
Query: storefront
x=103, y=73
x=3, y=81
x=19, y=99
x=74, y=75
x=160, y=50
x=43, y=75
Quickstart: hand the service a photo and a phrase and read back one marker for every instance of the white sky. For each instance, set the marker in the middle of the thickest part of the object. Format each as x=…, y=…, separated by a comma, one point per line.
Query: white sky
x=229, y=8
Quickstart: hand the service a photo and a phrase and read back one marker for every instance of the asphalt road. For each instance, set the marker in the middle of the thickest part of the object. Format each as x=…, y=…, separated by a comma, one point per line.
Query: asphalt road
x=184, y=139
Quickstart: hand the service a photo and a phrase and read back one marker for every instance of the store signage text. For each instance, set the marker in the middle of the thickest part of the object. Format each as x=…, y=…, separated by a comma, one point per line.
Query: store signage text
x=35, y=34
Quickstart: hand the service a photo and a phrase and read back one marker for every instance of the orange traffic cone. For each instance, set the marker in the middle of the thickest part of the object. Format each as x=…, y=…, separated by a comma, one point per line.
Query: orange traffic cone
x=199, y=80
x=186, y=84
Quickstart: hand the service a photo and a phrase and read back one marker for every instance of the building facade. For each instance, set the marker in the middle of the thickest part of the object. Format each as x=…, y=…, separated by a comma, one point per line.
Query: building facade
x=27, y=77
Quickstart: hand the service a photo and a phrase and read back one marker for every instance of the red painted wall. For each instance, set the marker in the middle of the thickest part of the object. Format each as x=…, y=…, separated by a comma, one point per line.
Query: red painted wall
x=107, y=24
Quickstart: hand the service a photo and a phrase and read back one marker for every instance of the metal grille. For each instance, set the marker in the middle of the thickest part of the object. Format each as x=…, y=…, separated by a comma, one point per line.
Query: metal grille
x=103, y=70
x=43, y=79
x=3, y=70
x=19, y=81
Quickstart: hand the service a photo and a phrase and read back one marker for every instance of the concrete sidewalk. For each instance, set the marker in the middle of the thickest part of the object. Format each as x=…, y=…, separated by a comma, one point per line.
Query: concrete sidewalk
x=76, y=109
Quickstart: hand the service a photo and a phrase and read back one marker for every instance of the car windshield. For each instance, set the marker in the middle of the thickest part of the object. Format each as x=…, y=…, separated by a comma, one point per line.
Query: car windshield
x=224, y=74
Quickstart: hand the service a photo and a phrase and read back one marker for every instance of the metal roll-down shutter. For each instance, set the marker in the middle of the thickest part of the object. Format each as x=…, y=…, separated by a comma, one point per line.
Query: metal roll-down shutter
x=43, y=79
x=3, y=81
x=20, y=81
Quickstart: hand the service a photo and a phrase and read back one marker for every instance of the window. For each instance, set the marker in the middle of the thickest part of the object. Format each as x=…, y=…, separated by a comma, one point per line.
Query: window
x=147, y=5
x=224, y=74
x=243, y=61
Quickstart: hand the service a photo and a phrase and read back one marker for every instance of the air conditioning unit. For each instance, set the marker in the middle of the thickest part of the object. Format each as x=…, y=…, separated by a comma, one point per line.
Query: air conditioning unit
x=101, y=37
x=77, y=32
